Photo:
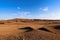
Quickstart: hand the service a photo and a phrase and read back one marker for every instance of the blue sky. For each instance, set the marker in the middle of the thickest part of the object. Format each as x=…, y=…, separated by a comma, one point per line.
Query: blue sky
x=36, y=9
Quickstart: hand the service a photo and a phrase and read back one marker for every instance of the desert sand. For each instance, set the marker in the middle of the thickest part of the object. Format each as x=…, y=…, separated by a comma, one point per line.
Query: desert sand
x=29, y=29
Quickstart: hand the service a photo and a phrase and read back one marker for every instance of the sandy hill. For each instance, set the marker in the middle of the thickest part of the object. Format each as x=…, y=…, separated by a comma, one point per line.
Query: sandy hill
x=29, y=29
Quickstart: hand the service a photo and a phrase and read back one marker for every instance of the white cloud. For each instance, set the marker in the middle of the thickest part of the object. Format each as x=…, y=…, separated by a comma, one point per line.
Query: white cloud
x=18, y=7
x=52, y=16
x=14, y=14
x=44, y=9
x=22, y=14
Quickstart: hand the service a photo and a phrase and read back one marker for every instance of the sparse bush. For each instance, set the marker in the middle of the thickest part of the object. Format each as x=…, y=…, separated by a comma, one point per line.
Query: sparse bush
x=57, y=27
x=36, y=19
x=1, y=22
x=28, y=29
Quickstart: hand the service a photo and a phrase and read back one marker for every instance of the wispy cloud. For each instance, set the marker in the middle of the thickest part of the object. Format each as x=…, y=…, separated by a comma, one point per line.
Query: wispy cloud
x=44, y=9
x=18, y=7
x=22, y=14
x=14, y=14
x=52, y=16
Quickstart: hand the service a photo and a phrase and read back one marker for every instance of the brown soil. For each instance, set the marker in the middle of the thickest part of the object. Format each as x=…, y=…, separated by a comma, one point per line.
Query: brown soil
x=21, y=29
